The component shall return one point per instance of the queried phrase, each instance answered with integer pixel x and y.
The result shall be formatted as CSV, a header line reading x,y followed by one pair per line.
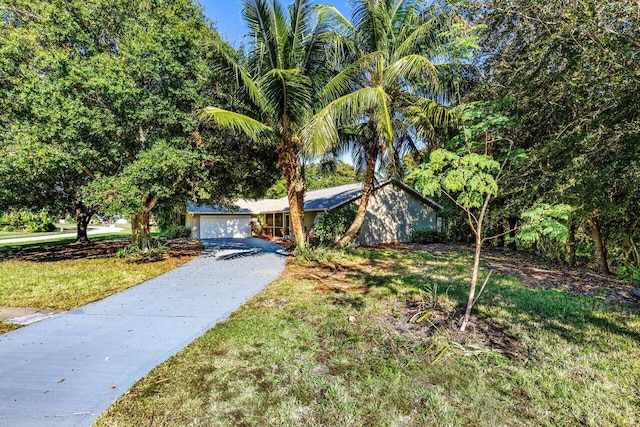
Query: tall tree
x,y
100,100
285,68
59,84
403,70
572,70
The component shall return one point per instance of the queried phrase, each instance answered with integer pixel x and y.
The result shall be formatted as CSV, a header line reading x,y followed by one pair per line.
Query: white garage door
x,y
213,227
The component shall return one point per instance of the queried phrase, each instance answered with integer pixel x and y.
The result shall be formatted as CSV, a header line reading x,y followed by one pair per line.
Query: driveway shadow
x,y
229,248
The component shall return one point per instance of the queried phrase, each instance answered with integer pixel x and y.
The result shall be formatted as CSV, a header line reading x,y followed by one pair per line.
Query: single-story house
x,y
395,210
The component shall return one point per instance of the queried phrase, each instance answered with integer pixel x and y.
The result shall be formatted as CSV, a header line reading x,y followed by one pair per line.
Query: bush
x,y
333,225
156,252
322,254
177,232
27,221
629,274
427,236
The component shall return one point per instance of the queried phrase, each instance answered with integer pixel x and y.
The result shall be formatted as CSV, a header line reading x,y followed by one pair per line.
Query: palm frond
x,y
426,116
261,17
290,91
243,79
418,39
321,134
347,79
409,68
328,13
252,128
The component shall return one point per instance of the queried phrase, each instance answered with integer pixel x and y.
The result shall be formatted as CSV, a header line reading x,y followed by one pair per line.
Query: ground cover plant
x,y
68,276
370,337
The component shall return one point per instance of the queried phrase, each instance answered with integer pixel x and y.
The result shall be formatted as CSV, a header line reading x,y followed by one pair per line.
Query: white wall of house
x,y
225,226
193,222
392,216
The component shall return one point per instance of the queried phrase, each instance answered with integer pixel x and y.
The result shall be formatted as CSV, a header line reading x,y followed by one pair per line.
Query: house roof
x,y
317,200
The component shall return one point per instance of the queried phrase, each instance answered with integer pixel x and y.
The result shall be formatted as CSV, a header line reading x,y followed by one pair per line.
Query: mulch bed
x,y
178,248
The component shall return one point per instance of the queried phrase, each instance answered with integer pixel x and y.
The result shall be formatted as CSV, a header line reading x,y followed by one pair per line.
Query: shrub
x,y
427,236
177,232
333,225
28,221
630,274
156,252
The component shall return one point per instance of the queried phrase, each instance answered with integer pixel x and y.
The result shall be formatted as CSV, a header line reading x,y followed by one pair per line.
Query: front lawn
x,y
69,276
369,339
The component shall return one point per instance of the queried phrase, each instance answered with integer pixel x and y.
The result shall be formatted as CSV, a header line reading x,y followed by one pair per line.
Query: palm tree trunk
x,y
290,164
367,188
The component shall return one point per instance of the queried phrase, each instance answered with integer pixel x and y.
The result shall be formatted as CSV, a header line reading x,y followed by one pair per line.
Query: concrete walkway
x,y
42,237
66,370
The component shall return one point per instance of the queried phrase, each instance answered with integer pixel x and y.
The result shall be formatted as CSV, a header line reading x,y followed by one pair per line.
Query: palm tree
x,y
285,68
396,90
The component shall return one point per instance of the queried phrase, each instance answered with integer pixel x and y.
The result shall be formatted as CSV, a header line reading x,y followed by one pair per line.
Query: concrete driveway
x,y
66,370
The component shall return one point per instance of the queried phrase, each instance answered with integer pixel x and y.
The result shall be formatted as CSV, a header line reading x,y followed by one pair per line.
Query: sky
x,y
226,15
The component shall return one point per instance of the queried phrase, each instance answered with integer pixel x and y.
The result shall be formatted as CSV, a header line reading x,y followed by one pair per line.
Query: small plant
x,y
629,274
321,254
427,236
177,232
155,252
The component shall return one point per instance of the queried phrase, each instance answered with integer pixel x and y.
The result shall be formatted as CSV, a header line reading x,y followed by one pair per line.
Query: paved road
x,y
66,370
36,238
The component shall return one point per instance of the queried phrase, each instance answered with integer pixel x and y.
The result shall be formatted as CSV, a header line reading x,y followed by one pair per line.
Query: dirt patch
x,y
179,248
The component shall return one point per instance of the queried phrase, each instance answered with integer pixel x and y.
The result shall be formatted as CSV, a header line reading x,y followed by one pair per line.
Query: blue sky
x,y
226,14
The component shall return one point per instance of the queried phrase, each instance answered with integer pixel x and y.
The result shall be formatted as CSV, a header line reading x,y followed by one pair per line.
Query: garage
x,y
220,226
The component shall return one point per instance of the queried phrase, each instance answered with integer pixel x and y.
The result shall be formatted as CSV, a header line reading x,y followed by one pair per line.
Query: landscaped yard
x,y
368,339
68,276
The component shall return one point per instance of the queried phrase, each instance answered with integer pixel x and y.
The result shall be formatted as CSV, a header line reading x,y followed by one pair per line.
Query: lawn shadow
x,y
557,309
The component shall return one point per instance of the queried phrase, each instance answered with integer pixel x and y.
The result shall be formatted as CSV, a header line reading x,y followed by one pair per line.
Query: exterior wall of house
x,y
193,222
392,216
309,217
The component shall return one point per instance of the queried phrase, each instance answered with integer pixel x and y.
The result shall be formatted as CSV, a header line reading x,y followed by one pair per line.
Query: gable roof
x,y
325,199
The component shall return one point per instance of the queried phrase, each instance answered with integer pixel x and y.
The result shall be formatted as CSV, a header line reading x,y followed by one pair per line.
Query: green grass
x,y
72,283
330,344
60,241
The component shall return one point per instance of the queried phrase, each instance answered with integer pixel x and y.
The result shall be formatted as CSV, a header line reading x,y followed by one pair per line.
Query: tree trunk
x,y
367,188
474,280
83,217
571,240
140,230
513,223
290,164
477,231
598,244
500,241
